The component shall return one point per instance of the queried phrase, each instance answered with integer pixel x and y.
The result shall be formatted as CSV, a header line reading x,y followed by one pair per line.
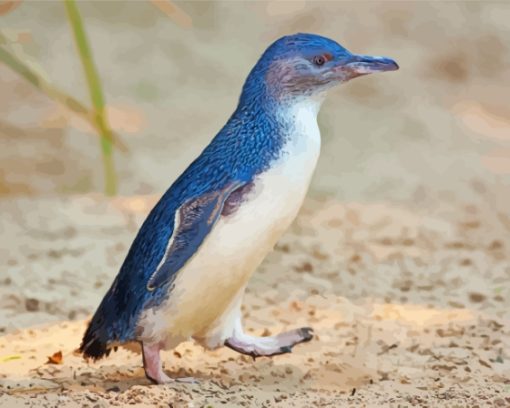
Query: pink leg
x,y
267,346
154,368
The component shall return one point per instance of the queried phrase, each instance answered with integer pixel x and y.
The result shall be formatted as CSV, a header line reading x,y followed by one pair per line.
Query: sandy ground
x,y
410,308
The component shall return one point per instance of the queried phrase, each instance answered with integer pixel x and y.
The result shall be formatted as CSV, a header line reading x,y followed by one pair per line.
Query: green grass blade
x,y
51,91
96,94
22,69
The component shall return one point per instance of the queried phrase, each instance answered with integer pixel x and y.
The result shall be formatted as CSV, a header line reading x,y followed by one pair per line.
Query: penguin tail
x,y
97,339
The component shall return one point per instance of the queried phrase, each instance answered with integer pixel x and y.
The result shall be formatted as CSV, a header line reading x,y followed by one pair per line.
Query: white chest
x,y
278,193
302,148
207,285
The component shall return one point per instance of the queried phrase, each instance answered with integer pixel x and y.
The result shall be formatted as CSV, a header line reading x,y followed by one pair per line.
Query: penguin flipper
x,y
193,222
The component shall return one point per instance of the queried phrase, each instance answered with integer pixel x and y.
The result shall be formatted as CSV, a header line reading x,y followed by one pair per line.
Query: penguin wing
x,y
193,221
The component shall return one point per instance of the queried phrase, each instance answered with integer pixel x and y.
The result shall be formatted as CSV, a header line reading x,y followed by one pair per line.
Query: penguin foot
x,y
187,380
158,378
267,346
154,368
162,378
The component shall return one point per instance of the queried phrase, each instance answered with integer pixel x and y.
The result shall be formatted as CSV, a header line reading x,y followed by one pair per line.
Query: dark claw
x,y
286,349
306,333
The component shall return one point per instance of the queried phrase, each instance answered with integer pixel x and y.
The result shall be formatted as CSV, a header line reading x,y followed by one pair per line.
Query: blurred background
x,y
439,128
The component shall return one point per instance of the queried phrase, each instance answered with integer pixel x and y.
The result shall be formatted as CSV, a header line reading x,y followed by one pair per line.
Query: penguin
x,y
187,269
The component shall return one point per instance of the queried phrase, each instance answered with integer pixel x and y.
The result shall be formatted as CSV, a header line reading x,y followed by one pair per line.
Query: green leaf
x,y
96,94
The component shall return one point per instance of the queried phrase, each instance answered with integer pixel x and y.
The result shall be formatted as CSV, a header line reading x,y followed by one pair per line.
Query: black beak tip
x,y
366,64
385,64
394,66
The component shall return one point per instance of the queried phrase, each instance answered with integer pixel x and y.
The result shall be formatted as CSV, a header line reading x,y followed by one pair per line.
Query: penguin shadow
x,y
118,373
266,375
120,378
309,366
106,379
102,380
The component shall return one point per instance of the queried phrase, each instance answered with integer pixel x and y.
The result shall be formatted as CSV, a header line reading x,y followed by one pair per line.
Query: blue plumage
x,y
228,158
293,67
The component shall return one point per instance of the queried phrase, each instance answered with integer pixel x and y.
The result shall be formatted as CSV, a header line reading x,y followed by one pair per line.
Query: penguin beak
x,y
365,64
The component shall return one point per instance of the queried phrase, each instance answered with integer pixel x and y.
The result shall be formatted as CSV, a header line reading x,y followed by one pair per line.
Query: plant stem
x,y
96,95
51,91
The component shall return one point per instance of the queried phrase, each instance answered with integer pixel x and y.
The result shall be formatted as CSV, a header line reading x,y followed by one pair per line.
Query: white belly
x,y
208,285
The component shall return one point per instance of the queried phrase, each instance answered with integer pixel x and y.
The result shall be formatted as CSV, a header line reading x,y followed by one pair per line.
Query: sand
x,y
410,308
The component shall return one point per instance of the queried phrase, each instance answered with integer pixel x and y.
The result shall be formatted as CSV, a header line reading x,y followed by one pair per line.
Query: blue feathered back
x,y
251,139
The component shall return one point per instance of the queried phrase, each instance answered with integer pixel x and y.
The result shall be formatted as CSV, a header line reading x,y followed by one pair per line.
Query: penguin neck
x,y
261,132
299,118
298,110
282,116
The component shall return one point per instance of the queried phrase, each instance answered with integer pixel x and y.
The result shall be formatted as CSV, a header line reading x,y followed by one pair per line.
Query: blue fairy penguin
x,y
186,272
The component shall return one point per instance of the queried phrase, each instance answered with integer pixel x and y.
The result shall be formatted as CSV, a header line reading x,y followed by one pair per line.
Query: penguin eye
x,y
319,60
